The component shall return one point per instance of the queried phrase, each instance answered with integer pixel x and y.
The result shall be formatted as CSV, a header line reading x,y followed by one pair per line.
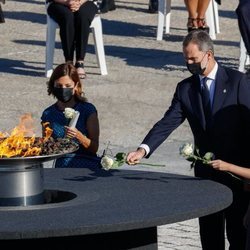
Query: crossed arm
x,y
73,5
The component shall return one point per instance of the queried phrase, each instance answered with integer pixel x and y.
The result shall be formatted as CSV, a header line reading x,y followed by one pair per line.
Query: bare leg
x,y
192,6
202,8
201,11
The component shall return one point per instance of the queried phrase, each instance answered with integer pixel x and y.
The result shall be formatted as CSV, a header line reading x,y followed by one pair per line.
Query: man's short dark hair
x,y
201,38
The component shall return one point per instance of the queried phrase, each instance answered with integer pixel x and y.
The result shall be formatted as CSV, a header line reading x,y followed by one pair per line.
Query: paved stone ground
x,y
142,75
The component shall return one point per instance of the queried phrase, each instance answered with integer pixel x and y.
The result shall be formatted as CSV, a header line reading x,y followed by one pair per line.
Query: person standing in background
x,y
196,14
243,14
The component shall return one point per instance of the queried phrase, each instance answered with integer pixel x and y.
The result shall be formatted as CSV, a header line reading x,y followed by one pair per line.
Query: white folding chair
x,y
244,57
96,27
212,18
164,12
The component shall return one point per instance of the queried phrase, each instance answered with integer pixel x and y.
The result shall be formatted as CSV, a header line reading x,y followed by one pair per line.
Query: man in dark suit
x,y
221,127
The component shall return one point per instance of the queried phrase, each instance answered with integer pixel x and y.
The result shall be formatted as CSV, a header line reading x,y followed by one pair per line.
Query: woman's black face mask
x,y
63,94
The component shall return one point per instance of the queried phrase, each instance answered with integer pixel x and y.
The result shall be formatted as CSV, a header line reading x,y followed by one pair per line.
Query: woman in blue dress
x,y
65,86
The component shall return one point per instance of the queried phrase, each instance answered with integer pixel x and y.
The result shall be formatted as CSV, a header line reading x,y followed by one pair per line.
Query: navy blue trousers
x,y
243,13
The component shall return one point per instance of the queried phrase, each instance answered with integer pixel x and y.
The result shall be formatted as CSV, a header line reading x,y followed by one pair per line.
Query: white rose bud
x,y
69,113
186,150
107,162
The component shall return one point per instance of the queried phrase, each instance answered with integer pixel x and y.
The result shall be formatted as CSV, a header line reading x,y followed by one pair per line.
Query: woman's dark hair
x,y
66,69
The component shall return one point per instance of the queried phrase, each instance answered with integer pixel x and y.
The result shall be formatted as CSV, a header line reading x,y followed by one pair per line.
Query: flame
x,y
22,141
47,131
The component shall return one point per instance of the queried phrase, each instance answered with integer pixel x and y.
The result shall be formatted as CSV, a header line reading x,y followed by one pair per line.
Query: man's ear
x,y
210,53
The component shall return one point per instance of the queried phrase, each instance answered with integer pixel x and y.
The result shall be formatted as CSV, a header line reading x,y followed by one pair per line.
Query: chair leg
x,y
243,56
167,18
161,19
50,46
99,47
210,20
216,17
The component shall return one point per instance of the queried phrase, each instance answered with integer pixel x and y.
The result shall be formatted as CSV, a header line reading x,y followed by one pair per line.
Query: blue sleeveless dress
x,y
81,158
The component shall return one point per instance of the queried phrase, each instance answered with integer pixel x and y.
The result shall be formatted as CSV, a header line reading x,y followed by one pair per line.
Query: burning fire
x,y
22,141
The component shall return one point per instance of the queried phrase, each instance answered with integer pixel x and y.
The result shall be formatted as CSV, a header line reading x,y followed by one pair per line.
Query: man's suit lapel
x,y
196,101
221,89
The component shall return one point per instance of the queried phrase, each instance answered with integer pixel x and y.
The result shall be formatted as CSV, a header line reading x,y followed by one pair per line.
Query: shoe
x,y
107,5
153,6
202,24
192,24
80,70
98,5
112,5
1,15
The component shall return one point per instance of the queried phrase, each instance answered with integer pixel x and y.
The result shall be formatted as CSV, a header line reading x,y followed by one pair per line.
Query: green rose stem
x,y
236,177
150,164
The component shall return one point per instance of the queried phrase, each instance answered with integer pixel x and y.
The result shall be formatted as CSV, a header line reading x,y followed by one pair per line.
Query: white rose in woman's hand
x,y
69,113
186,150
192,154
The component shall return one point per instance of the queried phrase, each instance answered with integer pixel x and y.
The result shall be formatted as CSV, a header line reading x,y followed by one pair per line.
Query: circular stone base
x,y
48,198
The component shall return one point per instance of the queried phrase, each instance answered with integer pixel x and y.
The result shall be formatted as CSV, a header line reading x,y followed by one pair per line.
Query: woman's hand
x,y
220,165
74,5
72,132
135,157
87,143
229,167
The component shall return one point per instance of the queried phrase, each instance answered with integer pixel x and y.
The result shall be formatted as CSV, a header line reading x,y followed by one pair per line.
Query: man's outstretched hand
x,y
135,156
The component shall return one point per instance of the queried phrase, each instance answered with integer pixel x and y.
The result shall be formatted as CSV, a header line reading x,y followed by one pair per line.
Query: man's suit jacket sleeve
x,y
173,117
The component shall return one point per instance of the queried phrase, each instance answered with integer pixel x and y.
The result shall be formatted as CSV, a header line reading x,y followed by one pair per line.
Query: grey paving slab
x,y
142,75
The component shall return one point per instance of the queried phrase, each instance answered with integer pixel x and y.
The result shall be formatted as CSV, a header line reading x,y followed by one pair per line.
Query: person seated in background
x,y
74,18
65,86
196,14
153,6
